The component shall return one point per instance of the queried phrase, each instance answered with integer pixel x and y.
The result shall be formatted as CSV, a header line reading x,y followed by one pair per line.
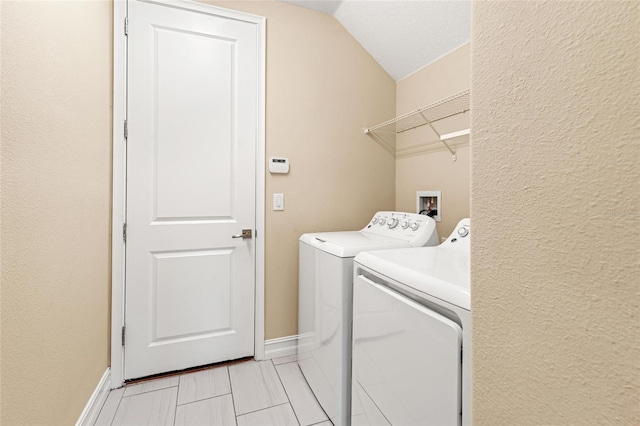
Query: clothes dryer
x,y
412,335
326,295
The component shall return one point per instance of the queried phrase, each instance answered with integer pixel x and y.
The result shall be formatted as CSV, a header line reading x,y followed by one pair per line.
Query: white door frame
x,y
119,176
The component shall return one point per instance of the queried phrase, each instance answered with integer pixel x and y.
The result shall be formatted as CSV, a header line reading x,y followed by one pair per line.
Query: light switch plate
x,y
278,201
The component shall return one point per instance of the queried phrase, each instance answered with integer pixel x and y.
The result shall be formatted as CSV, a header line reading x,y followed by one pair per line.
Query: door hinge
x,y
123,335
126,26
126,129
124,232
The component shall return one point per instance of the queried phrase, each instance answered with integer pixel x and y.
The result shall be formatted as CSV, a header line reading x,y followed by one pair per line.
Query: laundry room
x,y
542,156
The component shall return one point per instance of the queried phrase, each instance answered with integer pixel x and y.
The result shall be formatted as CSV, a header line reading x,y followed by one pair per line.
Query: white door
x,y
192,114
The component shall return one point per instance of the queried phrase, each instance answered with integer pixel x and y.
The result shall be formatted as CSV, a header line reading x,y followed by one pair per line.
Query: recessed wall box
x,y
278,165
429,203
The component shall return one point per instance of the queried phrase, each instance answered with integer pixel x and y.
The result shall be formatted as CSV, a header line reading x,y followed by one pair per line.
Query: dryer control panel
x,y
461,235
417,229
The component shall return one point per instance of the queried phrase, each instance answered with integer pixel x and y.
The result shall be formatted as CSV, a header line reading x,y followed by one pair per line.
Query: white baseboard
x,y
282,346
96,401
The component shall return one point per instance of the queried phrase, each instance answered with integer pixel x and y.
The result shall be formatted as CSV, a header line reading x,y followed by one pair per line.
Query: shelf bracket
x,y
391,150
453,153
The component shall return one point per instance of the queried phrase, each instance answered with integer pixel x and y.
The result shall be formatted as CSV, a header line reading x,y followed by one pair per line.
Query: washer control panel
x,y
411,227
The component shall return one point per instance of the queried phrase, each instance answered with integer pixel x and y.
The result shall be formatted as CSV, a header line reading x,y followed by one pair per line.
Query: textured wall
x,y
556,213
56,146
432,169
322,89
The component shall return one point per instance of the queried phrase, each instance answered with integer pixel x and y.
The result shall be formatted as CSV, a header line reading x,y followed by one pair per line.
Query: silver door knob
x,y
246,233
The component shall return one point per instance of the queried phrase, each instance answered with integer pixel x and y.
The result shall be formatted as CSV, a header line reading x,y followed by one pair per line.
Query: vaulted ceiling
x,y
402,36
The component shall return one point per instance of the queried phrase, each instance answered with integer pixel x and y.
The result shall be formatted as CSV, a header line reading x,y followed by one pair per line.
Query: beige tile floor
x,y
247,393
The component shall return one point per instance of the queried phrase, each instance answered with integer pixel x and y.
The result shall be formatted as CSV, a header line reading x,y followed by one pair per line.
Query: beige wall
x,y
56,121
322,89
556,213
425,164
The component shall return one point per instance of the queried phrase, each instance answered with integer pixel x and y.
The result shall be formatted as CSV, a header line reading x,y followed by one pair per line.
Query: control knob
x,y
393,222
463,232
382,221
414,226
404,224
374,221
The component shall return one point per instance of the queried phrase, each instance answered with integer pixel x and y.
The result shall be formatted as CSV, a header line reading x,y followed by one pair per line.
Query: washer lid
x,y
439,271
350,243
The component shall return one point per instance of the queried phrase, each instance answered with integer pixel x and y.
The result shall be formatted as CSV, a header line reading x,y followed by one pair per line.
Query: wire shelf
x,y
425,116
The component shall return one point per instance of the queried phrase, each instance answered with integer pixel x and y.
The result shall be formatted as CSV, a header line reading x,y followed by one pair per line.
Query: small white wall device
x,y
278,165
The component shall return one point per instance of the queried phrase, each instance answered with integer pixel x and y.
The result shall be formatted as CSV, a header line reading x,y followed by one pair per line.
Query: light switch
x,y
278,201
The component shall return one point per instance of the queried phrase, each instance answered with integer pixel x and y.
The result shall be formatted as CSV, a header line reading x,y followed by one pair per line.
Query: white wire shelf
x,y
425,116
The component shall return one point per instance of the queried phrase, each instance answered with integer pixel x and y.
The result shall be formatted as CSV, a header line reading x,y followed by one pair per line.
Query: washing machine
x,y
412,335
325,300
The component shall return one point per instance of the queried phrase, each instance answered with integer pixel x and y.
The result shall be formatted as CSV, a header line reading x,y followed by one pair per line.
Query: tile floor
x,y
247,393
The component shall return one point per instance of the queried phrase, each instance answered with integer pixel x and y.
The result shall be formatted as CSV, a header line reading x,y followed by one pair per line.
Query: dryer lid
x,y
438,271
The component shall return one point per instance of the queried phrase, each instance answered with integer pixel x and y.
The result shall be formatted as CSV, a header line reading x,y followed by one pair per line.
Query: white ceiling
x,y
403,36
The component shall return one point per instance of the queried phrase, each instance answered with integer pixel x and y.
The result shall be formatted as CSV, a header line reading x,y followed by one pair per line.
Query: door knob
x,y
246,233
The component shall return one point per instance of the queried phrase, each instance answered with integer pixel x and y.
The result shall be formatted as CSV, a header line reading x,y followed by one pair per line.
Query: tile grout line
x,y
285,363
175,410
204,399
286,393
314,396
149,391
102,408
233,400
103,405
117,408
267,408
